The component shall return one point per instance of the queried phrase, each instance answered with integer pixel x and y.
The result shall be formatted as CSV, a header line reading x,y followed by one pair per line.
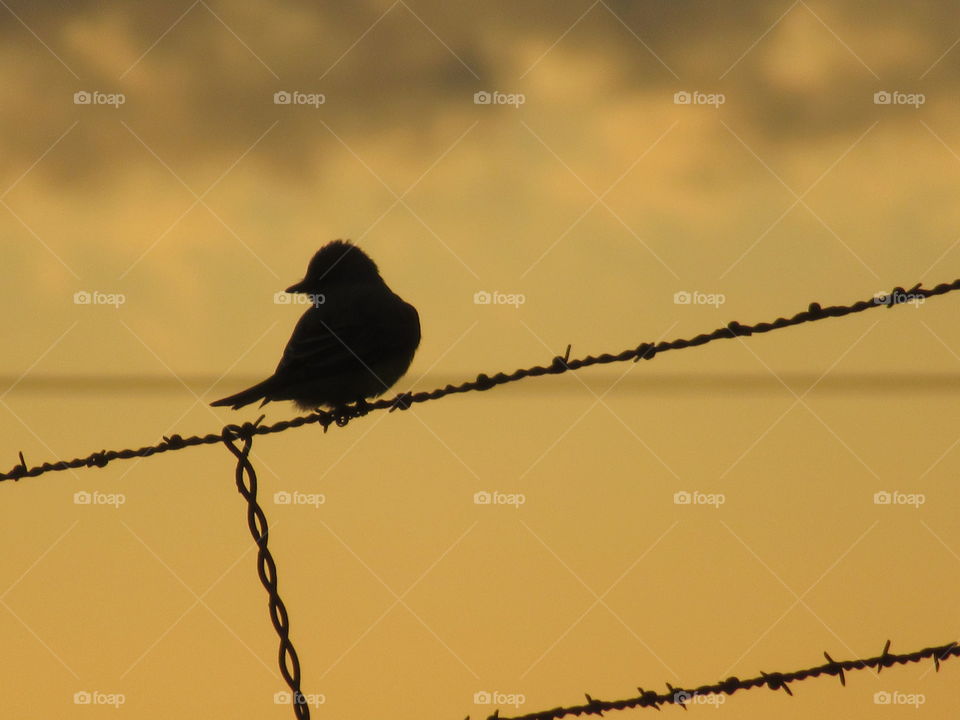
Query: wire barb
x,y
882,660
837,669
937,659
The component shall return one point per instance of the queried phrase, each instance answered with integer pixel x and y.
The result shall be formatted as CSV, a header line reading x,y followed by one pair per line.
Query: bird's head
x,y
336,263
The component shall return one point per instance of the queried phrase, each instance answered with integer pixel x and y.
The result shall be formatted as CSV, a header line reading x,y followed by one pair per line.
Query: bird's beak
x,y
297,288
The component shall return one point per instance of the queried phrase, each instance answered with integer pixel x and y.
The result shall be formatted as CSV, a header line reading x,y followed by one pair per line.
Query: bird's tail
x,y
245,397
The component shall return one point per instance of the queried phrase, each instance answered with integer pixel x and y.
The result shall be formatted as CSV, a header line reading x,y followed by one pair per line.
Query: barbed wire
x,y
559,365
774,681
246,480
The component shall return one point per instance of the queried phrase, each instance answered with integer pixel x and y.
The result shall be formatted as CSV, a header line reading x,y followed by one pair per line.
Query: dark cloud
x,y
201,95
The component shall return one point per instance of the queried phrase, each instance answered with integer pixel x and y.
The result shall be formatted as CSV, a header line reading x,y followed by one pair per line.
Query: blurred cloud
x,y
199,78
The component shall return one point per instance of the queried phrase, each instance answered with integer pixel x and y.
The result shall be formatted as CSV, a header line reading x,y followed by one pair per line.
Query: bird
x,y
354,342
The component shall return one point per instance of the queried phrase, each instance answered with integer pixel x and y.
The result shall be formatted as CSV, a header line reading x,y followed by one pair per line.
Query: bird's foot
x,y
344,413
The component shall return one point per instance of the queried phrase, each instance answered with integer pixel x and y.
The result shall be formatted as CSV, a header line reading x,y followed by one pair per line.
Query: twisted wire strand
x,y
246,478
559,365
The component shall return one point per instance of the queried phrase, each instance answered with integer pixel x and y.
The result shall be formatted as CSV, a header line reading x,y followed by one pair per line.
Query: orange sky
x,y
818,159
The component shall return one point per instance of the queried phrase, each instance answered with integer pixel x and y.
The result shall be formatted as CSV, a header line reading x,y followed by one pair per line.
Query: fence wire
x,y
559,365
267,570
246,480
774,681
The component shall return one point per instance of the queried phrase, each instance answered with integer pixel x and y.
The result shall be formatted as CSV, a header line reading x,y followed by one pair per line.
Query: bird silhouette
x,y
354,342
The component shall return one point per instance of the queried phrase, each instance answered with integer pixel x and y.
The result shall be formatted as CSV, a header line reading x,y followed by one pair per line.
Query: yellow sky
x,y
758,158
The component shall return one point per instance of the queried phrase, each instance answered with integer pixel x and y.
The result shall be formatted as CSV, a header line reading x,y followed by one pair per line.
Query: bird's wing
x,y
344,333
